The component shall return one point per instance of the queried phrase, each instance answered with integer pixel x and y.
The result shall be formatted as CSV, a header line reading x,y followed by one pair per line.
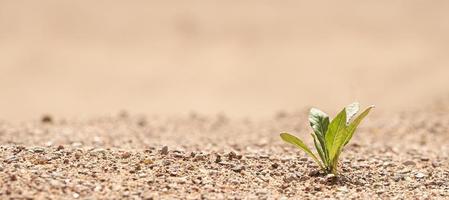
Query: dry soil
x,y
393,156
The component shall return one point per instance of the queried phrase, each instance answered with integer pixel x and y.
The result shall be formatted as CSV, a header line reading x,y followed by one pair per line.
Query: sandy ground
x,y
400,156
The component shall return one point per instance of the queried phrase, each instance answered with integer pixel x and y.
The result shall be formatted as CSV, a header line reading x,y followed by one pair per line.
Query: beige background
x,y
244,58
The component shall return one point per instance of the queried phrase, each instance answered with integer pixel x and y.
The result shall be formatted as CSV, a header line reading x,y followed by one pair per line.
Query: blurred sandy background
x,y
244,58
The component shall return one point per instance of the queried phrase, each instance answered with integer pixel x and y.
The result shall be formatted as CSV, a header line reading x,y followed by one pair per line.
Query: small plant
x,y
329,137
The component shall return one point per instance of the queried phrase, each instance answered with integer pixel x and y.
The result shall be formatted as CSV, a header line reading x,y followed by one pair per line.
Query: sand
x,y
393,156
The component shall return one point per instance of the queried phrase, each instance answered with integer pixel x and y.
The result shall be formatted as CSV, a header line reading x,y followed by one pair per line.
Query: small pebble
x,y
238,168
13,178
232,155
409,163
420,175
290,177
164,150
97,152
60,147
425,159
47,119
147,161
331,177
217,158
78,155
435,164
37,149
125,155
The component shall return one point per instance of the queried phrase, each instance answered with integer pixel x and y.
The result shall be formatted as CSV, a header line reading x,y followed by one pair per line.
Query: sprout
x,y
329,137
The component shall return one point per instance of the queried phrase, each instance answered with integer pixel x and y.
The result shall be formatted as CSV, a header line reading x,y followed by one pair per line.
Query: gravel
x,y
393,156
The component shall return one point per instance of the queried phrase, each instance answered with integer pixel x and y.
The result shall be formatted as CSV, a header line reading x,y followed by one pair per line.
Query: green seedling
x,y
329,137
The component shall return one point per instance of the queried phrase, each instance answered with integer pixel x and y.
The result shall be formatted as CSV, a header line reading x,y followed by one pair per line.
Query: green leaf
x,y
336,134
351,110
319,121
353,126
300,144
319,149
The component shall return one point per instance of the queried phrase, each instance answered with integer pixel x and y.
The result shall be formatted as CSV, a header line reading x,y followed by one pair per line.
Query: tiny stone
x,y
232,155
37,149
164,150
125,155
286,159
11,159
238,168
342,189
435,164
199,157
420,175
147,161
388,164
97,188
234,181
290,177
181,180
261,192
303,159
178,154
142,122
331,177
78,155
97,152
47,119
217,158
404,171
398,177
314,173
284,186
166,162
264,156
409,163
41,161
425,159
